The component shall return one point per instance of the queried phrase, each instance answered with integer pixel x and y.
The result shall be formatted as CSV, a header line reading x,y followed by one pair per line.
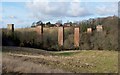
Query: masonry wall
x,y
10,27
76,36
59,30
60,36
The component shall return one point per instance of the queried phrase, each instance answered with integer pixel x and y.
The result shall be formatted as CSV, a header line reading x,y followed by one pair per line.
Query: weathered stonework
x,y
76,36
10,27
89,30
39,30
99,28
60,36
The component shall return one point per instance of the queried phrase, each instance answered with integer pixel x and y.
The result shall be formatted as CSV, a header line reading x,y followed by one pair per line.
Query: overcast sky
x,y
23,14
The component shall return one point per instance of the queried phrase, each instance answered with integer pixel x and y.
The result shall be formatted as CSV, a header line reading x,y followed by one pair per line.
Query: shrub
x,y
69,43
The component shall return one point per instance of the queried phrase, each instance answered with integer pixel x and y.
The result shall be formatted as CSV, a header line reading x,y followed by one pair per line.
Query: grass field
x,y
29,60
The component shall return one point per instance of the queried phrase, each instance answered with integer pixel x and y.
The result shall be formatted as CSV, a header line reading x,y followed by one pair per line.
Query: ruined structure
x,y
39,29
99,28
89,30
60,36
10,27
76,36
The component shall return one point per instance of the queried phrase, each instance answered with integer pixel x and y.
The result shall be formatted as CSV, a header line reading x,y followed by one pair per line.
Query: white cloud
x,y
48,9
107,9
37,16
77,10
12,17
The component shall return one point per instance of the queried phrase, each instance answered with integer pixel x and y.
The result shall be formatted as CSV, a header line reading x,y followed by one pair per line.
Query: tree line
x,y
105,40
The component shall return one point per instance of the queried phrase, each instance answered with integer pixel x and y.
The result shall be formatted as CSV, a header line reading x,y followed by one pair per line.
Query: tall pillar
x,y
89,30
39,30
60,36
99,28
76,36
10,27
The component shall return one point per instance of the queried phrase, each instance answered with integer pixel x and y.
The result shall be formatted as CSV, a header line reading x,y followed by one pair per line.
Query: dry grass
x,y
85,61
13,64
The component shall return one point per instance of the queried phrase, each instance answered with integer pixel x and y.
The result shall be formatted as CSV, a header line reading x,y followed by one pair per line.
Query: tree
x,y
48,23
83,27
39,23
33,24
59,21
70,23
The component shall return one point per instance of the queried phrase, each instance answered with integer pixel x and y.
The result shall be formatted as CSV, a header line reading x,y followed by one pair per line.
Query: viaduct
x,y
39,30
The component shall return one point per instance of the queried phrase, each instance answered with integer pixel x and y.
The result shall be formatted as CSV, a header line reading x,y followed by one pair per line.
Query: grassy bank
x,y
85,61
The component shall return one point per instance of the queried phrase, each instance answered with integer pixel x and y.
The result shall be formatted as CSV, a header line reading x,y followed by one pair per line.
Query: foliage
x,y
107,39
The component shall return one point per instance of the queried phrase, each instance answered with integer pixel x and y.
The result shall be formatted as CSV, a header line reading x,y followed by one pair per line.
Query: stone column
x,y
60,36
39,30
99,28
10,27
89,30
76,36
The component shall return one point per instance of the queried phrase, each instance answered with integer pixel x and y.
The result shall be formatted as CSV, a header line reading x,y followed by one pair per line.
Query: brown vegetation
x,y
27,60
106,39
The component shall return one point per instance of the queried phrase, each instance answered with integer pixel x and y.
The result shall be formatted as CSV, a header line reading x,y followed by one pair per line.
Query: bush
x,y
50,39
69,43
9,38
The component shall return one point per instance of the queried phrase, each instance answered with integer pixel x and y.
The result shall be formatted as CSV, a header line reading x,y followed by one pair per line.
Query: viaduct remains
x,y
39,30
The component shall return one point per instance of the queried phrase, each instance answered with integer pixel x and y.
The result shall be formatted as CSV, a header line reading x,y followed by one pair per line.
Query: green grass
x,y
65,53
84,61
91,61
